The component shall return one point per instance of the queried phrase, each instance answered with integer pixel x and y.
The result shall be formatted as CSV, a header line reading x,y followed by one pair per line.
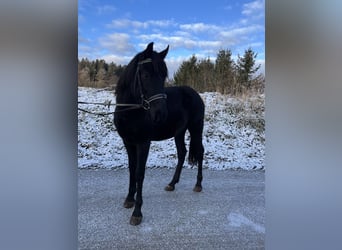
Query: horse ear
x,y
149,49
164,52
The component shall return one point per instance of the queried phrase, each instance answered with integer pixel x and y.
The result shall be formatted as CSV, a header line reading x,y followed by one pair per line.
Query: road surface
x,y
229,213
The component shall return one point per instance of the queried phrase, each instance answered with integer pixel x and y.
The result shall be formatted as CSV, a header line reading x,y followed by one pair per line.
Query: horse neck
x,y
125,95
124,92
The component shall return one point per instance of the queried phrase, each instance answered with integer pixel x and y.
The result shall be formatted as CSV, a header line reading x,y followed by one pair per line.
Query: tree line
x,y
224,75
98,73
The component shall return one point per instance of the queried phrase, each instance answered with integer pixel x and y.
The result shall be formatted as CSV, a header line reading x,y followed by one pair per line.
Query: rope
x,y
108,104
145,105
96,113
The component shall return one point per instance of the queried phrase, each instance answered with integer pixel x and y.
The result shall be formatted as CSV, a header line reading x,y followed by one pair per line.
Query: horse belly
x,y
162,133
131,132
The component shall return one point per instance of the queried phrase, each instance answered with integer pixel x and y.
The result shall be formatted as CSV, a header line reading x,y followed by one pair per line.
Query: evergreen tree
x,y
223,75
187,73
246,67
224,71
206,78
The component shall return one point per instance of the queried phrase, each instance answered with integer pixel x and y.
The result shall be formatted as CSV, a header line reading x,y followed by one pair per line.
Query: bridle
x,y
145,102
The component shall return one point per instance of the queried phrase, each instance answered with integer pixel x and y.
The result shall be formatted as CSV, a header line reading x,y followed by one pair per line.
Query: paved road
x,y
229,213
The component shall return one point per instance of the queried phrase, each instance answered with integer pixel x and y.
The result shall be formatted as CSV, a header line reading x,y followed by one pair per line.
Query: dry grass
x,y
247,109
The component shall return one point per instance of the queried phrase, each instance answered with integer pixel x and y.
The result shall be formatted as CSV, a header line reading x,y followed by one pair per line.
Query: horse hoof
x,y
169,188
129,204
197,189
135,220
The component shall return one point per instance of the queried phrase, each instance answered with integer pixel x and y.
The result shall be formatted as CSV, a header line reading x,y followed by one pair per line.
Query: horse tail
x,y
195,107
196,149
194,156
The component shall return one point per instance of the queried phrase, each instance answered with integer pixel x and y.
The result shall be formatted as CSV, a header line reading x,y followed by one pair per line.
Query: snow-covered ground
x,y
233,137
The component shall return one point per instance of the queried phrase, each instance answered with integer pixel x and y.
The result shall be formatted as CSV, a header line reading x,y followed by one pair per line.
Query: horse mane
x,y
127,76
127,79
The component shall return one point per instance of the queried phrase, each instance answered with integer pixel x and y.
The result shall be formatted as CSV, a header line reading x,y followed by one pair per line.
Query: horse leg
x,y
132,161
181,152
198,186
142,154
196,152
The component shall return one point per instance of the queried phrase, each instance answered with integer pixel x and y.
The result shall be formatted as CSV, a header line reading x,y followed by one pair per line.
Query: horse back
x,y
185,99
185,108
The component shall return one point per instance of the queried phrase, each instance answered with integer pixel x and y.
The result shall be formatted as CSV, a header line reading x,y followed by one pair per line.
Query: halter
x,y
145,102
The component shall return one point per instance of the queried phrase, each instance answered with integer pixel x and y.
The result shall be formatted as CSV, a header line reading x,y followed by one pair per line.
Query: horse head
x,y
151,72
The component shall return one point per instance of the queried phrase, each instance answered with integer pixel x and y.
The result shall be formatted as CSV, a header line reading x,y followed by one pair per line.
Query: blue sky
x,y
117,30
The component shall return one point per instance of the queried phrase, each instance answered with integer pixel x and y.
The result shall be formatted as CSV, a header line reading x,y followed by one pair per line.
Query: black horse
x,y
147,111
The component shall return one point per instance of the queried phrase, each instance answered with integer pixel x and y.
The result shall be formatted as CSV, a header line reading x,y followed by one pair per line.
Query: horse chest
x,y
132,130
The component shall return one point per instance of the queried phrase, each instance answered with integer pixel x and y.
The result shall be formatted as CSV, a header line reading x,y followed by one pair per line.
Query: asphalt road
x,y
229,213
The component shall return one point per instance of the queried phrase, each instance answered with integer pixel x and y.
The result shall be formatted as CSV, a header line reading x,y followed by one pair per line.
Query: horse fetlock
x,y
135,220
169,188
129,203
197,188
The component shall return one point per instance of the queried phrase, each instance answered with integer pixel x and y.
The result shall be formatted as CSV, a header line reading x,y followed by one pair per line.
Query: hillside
x,y
233,137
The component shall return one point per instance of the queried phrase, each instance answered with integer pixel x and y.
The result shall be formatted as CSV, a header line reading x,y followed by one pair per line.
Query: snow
x,y
238,220
233,136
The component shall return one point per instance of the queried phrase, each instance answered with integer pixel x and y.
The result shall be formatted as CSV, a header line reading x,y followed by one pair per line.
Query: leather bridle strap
x,y
145,103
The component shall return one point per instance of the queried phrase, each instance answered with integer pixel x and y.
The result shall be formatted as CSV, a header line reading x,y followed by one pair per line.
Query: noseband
x,y
145,102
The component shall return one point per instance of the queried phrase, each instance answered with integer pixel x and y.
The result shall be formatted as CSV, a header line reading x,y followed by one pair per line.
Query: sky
x,y
117,30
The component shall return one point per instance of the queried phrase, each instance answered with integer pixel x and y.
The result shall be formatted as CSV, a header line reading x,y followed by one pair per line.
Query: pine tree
x,y
187,73
206,75
246,67
224,71
83,72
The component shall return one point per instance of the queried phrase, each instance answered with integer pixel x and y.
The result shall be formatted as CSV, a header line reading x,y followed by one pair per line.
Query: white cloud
x,y
202,39
180,41
176,41
127,23
117,43
199,27
254,8
86,51
83,40
117,59
105,9
189,36
174,62
182,33
235,37
85,48
161,23
243,31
